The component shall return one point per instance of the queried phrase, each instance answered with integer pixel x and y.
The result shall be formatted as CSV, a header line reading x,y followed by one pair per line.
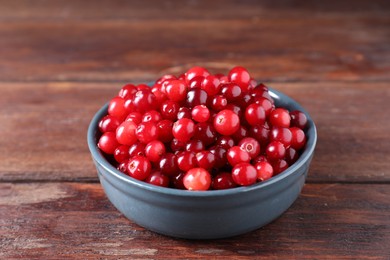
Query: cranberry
x,y
139,167
169,109
251,146
168,164
206,133
177,181
282,135
177,145
151,116
205,159
154,150
298,119
275,150
240,76
144,100
108,143
244,174
219,102
158,179
226,122
210,84
225,142
291,156
146,132
196,97
279,166
261,133
196,72
220,156
264,170
223,180
135,117
137,149
280,117
125,133
127,91
255,114
164,130
231,91
197,179
237,155
195,146
183,129
184,112
116,108
298,139
121,153
196,82
109,124
186,160
266,104
176,90
241,133
200,113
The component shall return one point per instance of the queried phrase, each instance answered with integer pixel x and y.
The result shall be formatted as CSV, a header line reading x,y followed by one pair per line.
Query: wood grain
x,y
77,221
45,127
84,41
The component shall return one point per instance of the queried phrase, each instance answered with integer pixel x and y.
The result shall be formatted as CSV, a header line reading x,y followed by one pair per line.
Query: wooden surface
x,y
62,60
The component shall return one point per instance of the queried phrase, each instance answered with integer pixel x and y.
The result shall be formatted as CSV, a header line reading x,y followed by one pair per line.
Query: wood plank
x,y
328,221
73,42
44,128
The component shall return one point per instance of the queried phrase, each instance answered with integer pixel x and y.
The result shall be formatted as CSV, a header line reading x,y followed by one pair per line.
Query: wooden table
x,y
62,60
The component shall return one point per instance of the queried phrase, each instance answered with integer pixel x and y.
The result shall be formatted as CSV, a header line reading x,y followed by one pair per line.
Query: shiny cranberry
x,y
177,145
186,160
255,114
244,174
137,149
121,153
223,180
116,108
200,113
125,133
261,133
240,76
135,117
205,132
279,166
184,112
280,117
196,82
195,146
195,72
176,90
241,133
108,124
220,156
264,170
197,179
169,110
266,104
251,146
205,159
196,97
168,164
225,142
127,91
177,181
139,167
298,139
231,91
183,129
152,116
210,84
275,150
146,132
236,109
158,179
219,102
144,100
108,143
282,135
154,150
226,122
237,155
291,156
164,130
298,119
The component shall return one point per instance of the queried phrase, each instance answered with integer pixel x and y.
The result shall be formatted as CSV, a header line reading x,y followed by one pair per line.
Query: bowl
x,y
204,214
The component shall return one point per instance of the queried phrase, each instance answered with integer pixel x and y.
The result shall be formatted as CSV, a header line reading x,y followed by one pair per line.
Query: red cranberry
x,y
151,116
158,179
108,124
200,113
169,110
186,160
251,146
210,84
244,174
298,119
240,76
176,90
226,122
121,153
196,72
237,155
275,150
168,164
144,100
298,139
127,91
137,149
282,135
223,180
116,108
231,91
196,97
264,170
146,132
197,179
205,159
139,167
280,117
108,143
225,142
183,129
164,130
255,114
206,133
154,150
125,133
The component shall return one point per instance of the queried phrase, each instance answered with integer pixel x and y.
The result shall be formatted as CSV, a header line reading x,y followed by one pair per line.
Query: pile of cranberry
x,y
201,131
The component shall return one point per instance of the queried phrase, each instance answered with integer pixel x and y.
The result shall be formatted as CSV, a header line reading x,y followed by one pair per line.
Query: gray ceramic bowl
x,y
204,214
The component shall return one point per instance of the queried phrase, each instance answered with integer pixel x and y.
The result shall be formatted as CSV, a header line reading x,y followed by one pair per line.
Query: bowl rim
x,y
276,95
